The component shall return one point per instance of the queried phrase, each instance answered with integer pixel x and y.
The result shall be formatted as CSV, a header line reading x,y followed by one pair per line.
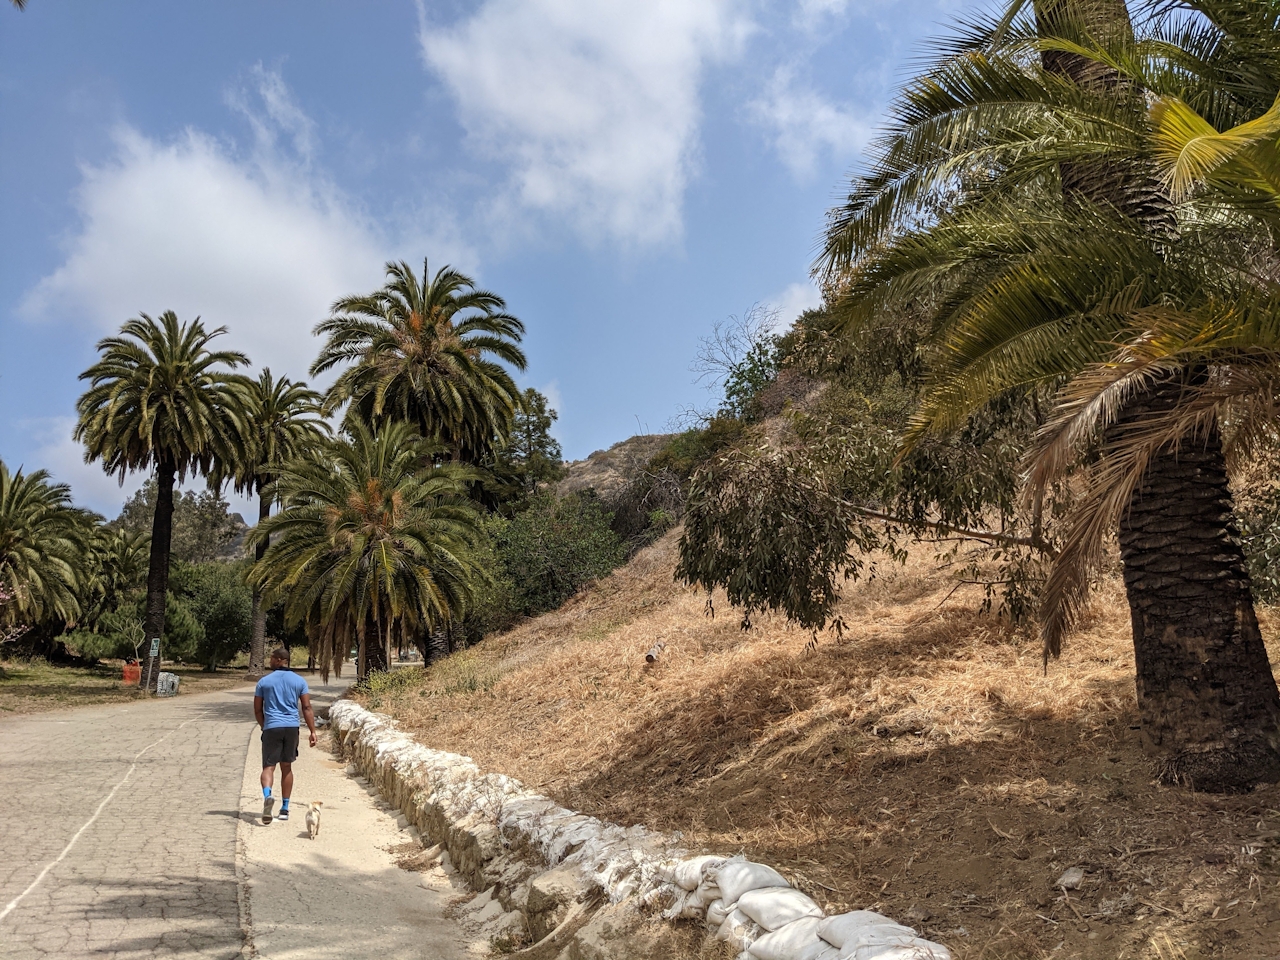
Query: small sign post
x,y
155,653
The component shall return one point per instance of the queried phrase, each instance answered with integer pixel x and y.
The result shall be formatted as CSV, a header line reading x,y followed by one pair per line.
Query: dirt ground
x,y
29,686
925,765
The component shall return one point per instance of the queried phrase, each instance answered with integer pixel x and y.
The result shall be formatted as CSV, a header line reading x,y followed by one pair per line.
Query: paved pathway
x,y
306,898
120,831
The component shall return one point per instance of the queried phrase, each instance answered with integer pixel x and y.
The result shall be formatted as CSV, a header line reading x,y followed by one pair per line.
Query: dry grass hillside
x,y
924,765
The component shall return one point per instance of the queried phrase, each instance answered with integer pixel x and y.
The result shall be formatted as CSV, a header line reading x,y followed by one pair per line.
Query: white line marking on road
x,y
88,823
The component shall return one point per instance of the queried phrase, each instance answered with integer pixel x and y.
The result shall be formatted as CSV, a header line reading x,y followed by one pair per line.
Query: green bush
x,y
548,552
214,597
119,634
686,452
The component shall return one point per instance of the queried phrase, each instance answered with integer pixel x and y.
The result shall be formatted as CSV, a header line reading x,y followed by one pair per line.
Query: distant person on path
x,y
275,704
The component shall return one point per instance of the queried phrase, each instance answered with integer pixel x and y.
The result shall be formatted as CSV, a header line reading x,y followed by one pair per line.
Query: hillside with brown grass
x,y
925,764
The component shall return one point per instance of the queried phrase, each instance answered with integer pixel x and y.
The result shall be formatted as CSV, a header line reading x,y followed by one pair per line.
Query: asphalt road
x,y
119,828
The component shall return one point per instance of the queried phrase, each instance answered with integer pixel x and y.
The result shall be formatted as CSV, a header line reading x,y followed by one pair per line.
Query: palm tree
x,y
1020,190
368,540
115,563
429,351
160,399
43,540
282,420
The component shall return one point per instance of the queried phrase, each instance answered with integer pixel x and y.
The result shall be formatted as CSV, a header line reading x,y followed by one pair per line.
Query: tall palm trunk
x,y
376,654
362,654
258,639
158,572
1207,698
1209,703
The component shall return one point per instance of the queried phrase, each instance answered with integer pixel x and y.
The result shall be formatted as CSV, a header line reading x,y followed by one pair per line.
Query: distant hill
x,y
234,549
608,471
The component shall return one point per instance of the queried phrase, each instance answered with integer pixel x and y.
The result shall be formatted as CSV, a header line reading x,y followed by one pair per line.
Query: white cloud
x,y
793,301
554,399
282,113
64,459
593,103
804,124
811,12
261,243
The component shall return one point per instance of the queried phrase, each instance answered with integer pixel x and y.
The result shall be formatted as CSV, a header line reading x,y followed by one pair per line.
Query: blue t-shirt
x,y
280,690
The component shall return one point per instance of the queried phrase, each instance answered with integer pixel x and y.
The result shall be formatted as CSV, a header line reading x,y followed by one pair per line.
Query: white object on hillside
x,y
1071,877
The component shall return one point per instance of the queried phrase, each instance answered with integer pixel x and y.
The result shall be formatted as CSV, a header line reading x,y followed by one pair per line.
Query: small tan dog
x,y
313,818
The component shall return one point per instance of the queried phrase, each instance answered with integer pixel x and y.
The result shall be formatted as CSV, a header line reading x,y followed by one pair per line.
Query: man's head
x,y
279,658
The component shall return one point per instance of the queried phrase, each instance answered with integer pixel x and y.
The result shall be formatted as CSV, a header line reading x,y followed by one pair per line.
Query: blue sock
x,y
266,793
285,804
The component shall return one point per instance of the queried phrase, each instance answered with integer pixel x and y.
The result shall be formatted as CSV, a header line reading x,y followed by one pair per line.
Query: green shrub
x,y
552,549
685,452
215,598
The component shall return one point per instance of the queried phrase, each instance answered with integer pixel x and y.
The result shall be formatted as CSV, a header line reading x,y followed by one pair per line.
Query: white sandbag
x,y
691,904
916,949
738,930
795,941
688,874
774,907
844,927
735,877
880,936
686,905
706,894
716,913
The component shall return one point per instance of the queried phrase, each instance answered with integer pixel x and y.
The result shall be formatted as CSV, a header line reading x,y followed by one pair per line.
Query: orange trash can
x,y
132,674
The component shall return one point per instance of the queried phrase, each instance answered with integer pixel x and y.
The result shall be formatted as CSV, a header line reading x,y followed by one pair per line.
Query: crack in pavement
x,y
13,904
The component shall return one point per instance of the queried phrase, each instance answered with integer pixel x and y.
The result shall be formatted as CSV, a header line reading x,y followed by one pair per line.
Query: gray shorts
x,y
279,745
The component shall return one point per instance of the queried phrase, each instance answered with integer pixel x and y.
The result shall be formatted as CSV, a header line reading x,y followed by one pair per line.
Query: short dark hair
x,y
280,653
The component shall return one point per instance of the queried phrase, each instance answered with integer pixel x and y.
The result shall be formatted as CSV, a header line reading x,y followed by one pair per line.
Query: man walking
x,y
275,704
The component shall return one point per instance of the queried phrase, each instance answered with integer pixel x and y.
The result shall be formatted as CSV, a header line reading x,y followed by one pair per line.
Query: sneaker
x,y
283,814
267,804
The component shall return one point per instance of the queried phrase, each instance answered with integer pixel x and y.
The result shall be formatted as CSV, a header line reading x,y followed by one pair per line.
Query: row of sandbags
x,y
620,861
749,905
753,908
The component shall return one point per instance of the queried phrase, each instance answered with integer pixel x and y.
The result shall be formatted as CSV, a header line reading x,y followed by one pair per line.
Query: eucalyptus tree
x,y
282,421
161,399
1028,187
43,542
368,541
430,351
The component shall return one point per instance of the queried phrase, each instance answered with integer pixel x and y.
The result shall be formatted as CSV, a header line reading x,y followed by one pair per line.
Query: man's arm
x,y
257,712
309,716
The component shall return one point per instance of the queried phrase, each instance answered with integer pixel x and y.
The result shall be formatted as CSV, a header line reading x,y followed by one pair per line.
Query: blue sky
x,y
625,174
